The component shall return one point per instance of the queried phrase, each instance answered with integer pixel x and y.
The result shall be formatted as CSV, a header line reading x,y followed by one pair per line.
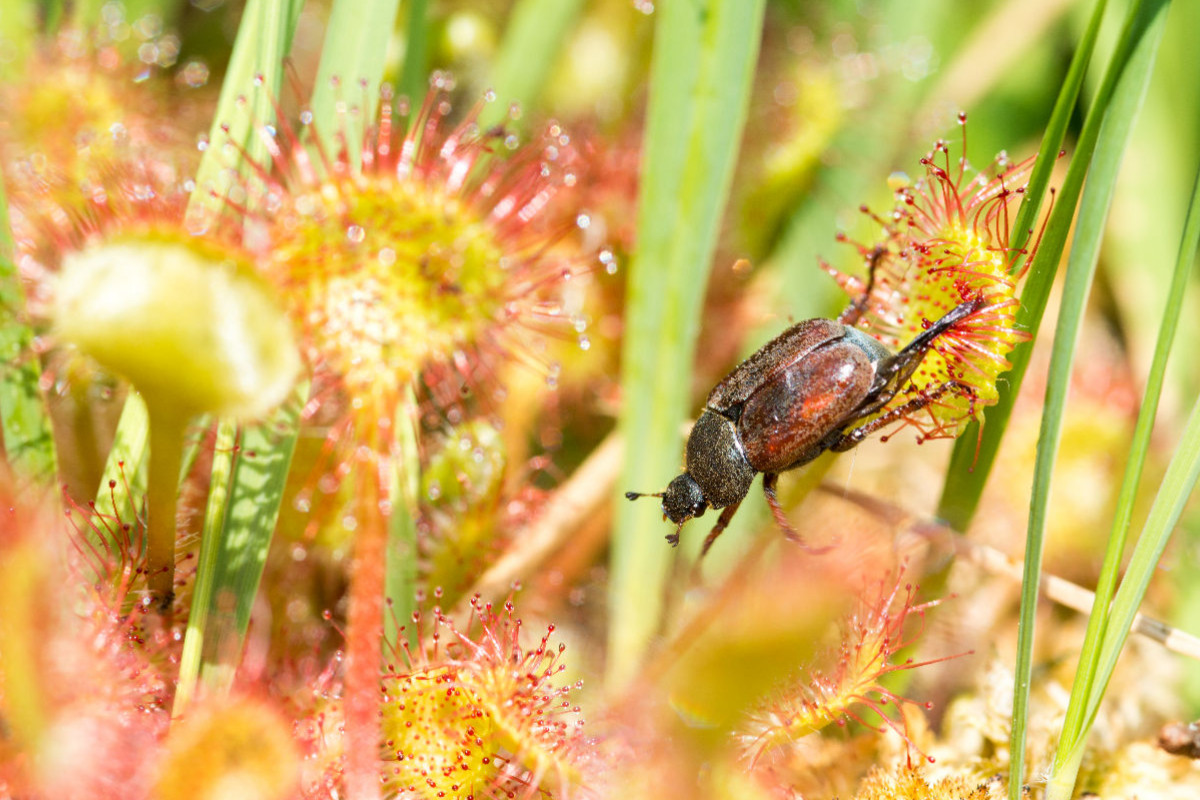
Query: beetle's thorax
x,y
876,353
717,461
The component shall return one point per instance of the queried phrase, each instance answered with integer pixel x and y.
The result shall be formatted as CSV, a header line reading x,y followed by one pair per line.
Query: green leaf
x,y
252,80
1076,724
124,475
24,420
210,546
1115,119
532,41
972,459
1177,486
353,58
414,77
239,550
704,57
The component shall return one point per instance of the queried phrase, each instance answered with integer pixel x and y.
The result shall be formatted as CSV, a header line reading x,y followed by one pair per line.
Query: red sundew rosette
x,y
479,710
946,243
851,685
424,271
419,273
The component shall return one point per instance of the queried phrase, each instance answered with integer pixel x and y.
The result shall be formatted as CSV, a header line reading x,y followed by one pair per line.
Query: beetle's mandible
x,y
800,395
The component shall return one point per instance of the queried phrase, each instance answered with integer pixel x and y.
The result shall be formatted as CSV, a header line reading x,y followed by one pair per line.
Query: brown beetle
x,y
798,396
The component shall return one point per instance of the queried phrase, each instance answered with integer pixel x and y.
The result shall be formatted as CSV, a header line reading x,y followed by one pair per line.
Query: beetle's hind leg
x,y
770,479
858,306
853,438
893,373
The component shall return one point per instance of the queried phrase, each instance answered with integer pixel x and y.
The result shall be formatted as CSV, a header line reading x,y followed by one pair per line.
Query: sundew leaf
x,y
703,62
354,52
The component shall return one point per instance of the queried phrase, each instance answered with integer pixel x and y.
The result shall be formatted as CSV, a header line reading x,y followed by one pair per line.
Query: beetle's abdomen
x,y
716,461
789,347
785,422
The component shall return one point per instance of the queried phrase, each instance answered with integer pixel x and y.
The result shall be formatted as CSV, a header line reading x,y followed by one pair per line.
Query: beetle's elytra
x,y
798,396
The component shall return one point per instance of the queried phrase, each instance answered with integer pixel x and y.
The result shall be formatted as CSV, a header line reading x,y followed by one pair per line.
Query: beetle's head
x,y
681,500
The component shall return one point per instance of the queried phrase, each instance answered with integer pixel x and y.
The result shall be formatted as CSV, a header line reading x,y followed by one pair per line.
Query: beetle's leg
x,y
893,373
846,441
858,306
722,523
769,481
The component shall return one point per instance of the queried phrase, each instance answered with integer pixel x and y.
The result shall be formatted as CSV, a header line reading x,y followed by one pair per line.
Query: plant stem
x,y
364,634
166,455
402,476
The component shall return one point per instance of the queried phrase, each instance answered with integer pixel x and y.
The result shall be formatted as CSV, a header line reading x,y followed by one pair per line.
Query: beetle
x,y
801,394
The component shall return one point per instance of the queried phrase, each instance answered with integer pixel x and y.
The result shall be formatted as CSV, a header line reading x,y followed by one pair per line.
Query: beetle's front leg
x,y
719,528
847,441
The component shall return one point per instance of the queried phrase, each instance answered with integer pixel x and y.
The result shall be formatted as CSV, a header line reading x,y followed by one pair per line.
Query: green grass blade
x,y
704,57
1173,494
210,546
263,40
352,62
1070,750
414,77
1089,232
534,36
252,83
240,551
972,459
124,475
24,420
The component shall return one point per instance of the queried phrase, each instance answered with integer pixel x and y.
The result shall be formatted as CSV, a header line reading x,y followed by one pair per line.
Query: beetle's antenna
x,y
636,495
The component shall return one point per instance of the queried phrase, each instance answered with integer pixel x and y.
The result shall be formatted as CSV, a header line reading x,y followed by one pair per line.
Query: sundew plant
x,y
335,335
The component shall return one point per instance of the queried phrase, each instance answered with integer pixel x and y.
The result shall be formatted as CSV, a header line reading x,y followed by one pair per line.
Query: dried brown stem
x,y
1057,589
580,497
